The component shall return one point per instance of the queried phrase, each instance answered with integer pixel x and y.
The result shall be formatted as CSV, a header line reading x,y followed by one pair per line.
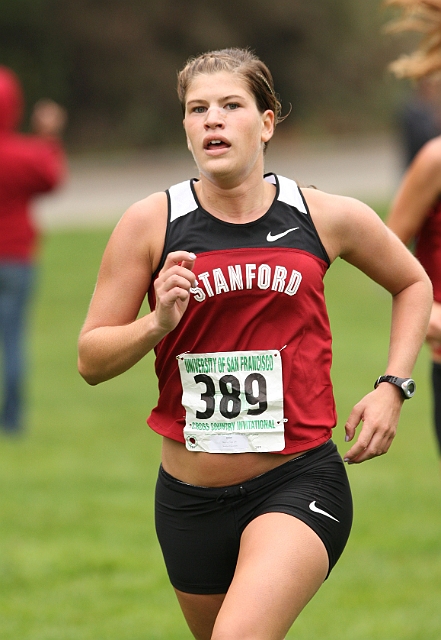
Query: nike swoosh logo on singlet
x,y
271,238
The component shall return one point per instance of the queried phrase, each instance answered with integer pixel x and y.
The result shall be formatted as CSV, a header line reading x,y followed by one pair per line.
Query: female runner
x,y
253,506
415,214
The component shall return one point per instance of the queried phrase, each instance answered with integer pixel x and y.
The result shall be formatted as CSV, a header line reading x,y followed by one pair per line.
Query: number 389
x,y
230,404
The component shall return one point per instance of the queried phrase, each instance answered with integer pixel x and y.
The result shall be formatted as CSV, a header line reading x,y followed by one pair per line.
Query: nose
x,y
214,118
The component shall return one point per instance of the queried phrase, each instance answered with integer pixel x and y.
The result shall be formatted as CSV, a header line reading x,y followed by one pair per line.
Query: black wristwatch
x,y
407,386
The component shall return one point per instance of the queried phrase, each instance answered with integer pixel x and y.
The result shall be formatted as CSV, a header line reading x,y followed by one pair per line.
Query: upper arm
x,y
374,249
353,231
129,260
418,192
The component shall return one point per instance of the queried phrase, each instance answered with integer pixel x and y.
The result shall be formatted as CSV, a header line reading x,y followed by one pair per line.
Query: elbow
x,y
426,289
88,368
87,374
426,286
88,362
429,286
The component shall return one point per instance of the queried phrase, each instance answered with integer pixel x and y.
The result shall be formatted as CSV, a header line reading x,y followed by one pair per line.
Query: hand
x,y
379,411
172,289
48,118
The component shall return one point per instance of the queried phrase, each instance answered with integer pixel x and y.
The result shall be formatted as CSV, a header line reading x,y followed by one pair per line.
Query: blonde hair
x,y
422,16
242,62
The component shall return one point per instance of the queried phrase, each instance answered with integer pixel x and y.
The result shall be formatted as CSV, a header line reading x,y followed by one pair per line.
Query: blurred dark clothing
x,y
419,124
29,165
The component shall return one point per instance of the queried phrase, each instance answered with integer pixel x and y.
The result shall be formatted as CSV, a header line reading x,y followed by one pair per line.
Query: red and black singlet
x,y
260,287
428,248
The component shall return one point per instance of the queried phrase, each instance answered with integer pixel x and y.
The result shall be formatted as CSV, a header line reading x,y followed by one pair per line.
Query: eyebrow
x,y
232,97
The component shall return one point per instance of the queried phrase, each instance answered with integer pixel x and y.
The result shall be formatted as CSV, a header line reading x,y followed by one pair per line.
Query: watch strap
x,y
407,386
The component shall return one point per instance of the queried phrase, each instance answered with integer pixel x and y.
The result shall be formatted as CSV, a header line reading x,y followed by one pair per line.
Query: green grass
x,y
79,558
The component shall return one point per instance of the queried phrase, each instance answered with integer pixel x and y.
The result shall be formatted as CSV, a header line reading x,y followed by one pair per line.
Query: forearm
x,y
106,352
410,317
379,410
110,342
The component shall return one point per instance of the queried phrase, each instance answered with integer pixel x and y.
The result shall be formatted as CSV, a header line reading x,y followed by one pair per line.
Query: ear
x,y
267,125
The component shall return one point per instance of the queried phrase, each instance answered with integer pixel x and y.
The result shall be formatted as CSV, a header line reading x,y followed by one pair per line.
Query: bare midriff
x,y
217,469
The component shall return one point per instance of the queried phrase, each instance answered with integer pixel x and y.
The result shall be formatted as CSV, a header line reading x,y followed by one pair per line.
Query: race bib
x,y
233,401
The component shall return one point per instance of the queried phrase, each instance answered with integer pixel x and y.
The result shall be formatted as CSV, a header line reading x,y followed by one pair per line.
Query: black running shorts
x,y
199,528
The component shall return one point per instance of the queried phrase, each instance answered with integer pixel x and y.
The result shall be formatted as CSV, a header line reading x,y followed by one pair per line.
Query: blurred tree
x,y
113,63
30,45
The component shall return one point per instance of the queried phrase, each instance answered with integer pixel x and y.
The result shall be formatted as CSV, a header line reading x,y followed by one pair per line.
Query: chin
x,y
216,169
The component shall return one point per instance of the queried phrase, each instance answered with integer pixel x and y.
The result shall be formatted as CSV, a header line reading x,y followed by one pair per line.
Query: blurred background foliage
x,y
113,63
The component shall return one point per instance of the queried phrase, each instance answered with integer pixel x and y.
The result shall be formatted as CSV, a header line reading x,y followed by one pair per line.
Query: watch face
x,y
409,388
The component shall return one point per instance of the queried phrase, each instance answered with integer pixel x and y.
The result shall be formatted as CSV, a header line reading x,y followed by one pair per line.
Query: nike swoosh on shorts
x,y
271,238
314,508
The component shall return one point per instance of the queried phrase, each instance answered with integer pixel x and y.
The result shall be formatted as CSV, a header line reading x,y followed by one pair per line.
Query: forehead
x,y
218,84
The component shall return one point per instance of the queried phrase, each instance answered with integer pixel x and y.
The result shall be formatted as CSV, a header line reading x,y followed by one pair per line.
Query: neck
x,y
237,203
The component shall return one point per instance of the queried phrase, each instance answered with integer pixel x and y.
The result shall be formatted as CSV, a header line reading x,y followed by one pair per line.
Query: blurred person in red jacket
x,y
29,165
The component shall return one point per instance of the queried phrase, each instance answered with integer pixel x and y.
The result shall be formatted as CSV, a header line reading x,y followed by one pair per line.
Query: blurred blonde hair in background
x,y
423,16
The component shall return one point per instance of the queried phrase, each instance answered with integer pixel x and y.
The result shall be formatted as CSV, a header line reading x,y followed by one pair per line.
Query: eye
x,y
199,109
232,106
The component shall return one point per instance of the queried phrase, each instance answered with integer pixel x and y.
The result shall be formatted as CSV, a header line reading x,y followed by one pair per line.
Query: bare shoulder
x,y
353,231
141,229
143,216
340,219
131,256
323,200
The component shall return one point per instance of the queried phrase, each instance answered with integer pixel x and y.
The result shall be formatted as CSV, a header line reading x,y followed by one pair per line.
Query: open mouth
x,y
213,145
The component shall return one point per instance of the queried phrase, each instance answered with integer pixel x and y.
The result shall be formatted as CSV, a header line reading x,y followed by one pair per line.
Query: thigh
x,y
200,612
198,535
319,495
281,565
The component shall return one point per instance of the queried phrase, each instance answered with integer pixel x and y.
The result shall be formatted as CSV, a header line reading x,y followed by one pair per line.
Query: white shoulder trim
x,y
182,200
289,192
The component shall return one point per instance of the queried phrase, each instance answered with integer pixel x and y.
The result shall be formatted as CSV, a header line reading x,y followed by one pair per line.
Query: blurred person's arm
x,y
417,195
418,192
47,165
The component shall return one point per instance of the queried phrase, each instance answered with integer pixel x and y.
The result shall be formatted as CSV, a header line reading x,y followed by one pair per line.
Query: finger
x,y
189,264
350,432
368,454
170,297
355,454
355,417
179,257
359,447
173,283
371,443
